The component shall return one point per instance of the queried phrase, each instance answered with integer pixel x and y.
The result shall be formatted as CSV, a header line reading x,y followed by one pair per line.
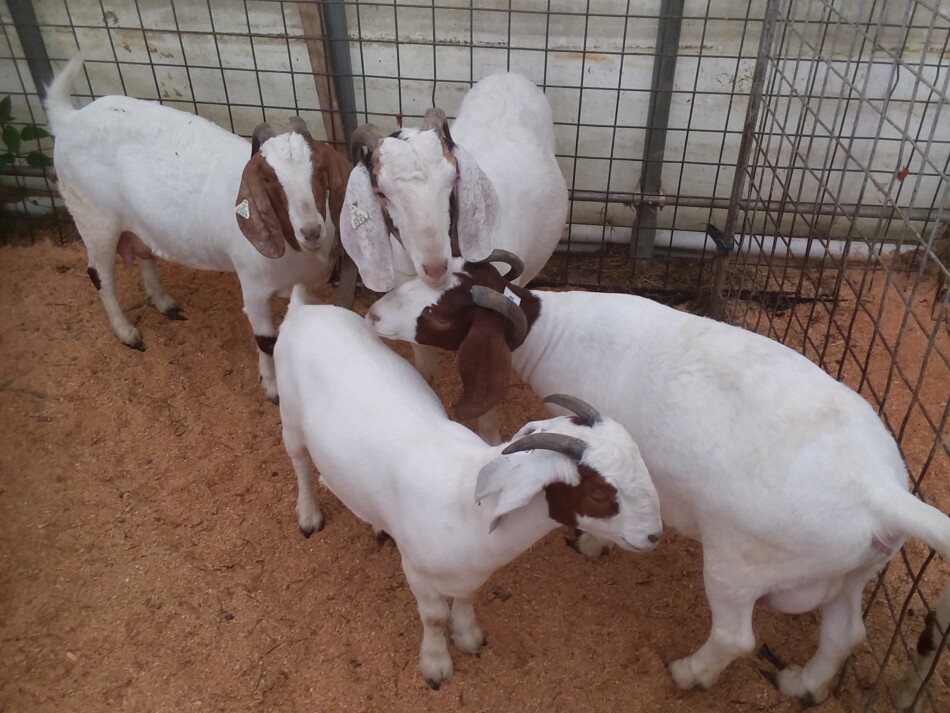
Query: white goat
x,y
493,182
384,446
795,488
146,181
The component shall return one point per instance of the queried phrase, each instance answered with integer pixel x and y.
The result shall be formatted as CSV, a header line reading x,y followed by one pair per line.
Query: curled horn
x,y
572,447
588,415
299,126
367,136
262,132
510,259
497,302
435,119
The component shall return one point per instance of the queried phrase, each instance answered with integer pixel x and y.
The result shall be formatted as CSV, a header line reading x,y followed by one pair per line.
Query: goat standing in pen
x,y
788,478
458,509
145,181
420,196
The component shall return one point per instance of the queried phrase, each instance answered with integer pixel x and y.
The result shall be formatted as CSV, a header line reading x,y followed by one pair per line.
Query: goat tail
x,y
57,101
908,515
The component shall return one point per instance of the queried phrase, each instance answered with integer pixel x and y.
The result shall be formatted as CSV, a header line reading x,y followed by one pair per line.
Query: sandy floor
x,y
150,558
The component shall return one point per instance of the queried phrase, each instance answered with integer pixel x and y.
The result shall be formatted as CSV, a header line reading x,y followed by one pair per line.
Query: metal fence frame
x,y
778,122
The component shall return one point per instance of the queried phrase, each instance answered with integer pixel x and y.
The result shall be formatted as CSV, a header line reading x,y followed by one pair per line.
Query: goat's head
x,y
478,313
590,470
291,191
425,190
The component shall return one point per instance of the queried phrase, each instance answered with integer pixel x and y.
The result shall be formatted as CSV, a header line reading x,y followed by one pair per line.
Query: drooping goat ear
x,y
484,363
260,213
337,170
518,478
364,234
478,207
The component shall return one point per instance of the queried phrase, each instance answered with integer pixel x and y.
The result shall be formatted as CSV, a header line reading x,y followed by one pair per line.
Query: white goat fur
x,y
504,137
385,447
171,178
795,488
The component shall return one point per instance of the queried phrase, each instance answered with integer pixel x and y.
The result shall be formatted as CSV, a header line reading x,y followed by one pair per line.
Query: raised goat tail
x,y
57,101
910,516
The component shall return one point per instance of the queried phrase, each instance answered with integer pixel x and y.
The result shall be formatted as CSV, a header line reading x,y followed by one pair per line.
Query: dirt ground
x,y
150,558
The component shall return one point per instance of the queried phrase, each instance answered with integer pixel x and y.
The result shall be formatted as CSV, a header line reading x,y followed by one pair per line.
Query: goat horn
x,y
588,415
262,132
569,446
487,297
299,126
435,119
367,136
510,259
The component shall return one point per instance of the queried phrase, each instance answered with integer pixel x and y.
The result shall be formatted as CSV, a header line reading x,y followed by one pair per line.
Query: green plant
x,y
14,138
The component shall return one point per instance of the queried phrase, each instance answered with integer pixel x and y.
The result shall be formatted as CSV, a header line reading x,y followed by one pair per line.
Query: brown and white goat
x,y
145,181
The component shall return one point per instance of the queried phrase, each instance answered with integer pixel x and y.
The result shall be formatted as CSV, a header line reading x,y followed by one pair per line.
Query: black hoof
x,y
175,313
275,400
382,537
808,701
434,685
138,346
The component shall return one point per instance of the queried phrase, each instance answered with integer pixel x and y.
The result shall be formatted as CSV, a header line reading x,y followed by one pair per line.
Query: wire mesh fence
x,y
798,152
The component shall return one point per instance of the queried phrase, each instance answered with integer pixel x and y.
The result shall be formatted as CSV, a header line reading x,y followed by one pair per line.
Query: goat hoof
x,y
310,528
434,685
275,399
175,313
137,345
382,537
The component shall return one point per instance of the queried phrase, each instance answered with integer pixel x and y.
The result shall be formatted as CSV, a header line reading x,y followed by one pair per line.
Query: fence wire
x,y
842,240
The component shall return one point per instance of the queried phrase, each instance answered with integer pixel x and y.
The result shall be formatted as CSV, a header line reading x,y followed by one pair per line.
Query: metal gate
x,y
781,164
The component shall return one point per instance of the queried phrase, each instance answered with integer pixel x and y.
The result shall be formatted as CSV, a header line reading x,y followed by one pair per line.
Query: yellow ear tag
x,y
243,210
357,217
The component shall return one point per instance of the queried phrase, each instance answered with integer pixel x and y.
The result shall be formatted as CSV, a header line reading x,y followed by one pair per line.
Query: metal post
x,y
643,235
334,20
28,30
721,260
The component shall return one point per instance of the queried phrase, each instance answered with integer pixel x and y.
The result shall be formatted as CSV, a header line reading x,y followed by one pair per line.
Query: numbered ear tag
x,y
243,210
357,217
512,296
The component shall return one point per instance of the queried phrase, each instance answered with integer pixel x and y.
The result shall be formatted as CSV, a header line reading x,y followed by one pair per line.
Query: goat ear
x,y
484,361
337,171
478,207
257,216
518,478
364,234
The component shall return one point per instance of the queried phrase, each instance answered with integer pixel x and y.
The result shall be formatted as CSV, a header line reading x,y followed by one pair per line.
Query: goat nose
x,y
311,234
655,537
437,270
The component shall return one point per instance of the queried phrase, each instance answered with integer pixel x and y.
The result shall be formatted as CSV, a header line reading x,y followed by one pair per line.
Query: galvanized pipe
x,y
334,19
341,66
721,260
643,234
34,50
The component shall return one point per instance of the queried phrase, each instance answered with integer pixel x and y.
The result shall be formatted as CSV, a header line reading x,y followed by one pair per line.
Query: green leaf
x,y
6,106
32,132
38,159
6,159
11,137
